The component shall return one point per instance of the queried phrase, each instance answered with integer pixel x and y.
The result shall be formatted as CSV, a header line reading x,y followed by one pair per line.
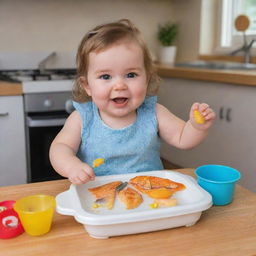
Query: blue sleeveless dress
x,y
135,148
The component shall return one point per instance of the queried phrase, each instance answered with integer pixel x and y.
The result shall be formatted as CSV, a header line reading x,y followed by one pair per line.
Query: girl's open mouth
x,y
120,100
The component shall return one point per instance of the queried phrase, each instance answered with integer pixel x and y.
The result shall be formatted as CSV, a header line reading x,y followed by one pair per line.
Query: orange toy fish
x,y
156,187
105,194
130,198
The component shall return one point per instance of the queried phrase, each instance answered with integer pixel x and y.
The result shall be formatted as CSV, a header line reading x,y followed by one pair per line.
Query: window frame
x,y
229,39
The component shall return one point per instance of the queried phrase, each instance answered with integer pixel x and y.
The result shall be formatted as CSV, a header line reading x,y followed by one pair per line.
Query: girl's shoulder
x,y
85,109
149,105
82,106
87,113
73,121
150,101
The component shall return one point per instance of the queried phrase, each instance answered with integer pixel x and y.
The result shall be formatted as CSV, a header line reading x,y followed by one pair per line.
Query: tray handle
x,y
64,205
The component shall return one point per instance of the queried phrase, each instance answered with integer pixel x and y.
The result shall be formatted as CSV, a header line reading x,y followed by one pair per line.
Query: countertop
x,y
221,230
10,89
240,77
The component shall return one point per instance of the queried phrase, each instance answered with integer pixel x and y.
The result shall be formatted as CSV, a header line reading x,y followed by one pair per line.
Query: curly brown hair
x,y
102,37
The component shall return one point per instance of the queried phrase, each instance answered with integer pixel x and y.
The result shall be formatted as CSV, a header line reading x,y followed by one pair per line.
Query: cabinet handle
x,y
221,113
228,117
4,114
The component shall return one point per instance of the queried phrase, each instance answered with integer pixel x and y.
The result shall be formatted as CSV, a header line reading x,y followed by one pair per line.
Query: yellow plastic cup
x,y
36,213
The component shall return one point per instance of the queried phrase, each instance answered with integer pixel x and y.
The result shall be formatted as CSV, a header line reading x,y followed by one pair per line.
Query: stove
x,y
47,103
36,81
37,75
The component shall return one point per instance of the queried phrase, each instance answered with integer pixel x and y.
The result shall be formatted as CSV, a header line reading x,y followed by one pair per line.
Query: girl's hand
x,y
207,114
80,173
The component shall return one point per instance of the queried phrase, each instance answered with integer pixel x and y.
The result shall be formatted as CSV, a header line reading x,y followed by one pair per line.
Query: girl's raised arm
x,y
181,134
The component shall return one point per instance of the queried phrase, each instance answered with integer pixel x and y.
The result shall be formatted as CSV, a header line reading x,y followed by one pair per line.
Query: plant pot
x,y
167,54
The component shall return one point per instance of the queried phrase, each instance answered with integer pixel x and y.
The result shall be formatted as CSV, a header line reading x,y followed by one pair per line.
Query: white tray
x,y
103,223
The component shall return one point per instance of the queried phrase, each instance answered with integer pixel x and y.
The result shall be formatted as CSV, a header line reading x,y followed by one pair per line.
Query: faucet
x,y
42,64
246,48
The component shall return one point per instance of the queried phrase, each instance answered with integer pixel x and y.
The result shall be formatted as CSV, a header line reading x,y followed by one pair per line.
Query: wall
x,y
59,25
188,16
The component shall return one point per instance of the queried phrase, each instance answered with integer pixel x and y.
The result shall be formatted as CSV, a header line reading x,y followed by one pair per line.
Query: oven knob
x,y
69,106
48,103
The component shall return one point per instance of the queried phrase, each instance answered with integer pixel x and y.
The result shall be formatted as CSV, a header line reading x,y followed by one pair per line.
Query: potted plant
x,y
167,34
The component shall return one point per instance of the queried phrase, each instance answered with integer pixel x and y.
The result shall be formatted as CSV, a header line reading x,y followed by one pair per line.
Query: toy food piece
x,y
105,195
97,162
166,202
198,117
163,203
154,205
159,193
130,198
156,187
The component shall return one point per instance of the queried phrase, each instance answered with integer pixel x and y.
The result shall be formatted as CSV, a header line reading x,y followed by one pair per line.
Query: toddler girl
x,y
117,116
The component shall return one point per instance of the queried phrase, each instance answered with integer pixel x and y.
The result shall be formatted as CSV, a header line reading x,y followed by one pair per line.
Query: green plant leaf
x,y
167,33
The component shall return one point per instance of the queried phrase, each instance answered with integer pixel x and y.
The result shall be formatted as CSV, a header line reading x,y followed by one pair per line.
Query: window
x,y
231,39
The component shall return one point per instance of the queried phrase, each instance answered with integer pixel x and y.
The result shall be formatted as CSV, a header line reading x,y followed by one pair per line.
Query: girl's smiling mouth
x,y
120,101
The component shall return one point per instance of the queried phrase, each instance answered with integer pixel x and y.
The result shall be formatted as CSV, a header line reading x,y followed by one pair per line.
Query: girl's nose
x,y
120,84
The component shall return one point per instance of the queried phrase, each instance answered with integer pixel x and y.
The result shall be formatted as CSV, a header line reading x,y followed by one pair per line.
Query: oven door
x,y
41,130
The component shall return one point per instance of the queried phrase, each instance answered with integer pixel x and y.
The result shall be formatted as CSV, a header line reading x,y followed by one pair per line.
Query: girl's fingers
x,y
195,106
80,177
89,171
203,107
209,114
206,112
200,106
75,180
84,177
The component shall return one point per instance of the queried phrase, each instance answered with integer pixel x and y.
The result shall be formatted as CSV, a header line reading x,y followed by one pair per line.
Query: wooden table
x,y
221,230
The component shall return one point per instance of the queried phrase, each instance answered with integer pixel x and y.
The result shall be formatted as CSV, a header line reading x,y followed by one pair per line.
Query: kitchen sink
x,y
217,65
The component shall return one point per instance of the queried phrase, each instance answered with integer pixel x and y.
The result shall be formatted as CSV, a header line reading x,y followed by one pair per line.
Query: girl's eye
x,y
131,75
105,77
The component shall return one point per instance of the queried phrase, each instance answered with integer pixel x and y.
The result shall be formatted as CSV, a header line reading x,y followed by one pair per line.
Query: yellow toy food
x,y
160,193
97,162
166,202
198,117
154,205
163,203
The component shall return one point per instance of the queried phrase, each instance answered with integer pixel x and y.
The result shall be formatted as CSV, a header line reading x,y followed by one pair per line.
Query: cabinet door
x,y
12,141
231,139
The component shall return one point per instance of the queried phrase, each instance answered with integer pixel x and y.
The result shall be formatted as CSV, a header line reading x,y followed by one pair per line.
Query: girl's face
x,y
117,81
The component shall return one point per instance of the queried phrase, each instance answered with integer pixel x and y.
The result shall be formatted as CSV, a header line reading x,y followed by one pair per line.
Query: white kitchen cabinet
x,y
231,141
12,141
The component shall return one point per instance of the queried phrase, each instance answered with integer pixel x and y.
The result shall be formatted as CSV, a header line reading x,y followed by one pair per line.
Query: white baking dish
x,y
103,223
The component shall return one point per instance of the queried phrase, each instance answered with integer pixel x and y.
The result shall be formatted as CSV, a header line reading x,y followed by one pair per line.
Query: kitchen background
x,y
32,30
32,27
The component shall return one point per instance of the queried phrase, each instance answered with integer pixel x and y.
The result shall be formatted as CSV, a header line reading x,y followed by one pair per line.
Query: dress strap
x,y
86,113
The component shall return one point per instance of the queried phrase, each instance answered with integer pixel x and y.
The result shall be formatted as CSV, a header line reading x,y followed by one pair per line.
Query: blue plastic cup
x,y
219,181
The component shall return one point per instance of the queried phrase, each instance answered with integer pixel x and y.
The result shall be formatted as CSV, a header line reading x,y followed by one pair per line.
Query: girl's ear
x,y
84,84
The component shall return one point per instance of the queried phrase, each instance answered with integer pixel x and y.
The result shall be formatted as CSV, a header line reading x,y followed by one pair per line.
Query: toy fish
x,y
156,187
130,198
105,195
